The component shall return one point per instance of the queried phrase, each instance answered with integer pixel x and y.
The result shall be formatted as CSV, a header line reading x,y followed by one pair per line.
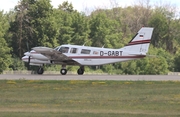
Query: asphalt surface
x,y
90,77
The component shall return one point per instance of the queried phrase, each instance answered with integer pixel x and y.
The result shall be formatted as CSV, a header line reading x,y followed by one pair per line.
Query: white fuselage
x,y
91,56
85,55
100,56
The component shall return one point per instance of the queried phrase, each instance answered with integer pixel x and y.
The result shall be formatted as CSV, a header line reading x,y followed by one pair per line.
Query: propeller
x,y
29,55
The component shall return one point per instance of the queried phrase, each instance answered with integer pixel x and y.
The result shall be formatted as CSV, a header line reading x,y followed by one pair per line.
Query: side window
x,y
64,49
85,51
73,50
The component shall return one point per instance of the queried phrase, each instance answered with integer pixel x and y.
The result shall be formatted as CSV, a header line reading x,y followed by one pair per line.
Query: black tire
x,y
63,71
80,71
40,71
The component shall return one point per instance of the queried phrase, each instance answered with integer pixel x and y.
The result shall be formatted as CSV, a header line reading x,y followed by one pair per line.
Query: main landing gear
x,y
40,70
80,71
63,71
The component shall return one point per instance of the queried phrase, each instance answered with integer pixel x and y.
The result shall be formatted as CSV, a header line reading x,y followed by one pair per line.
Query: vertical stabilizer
x,y
140,42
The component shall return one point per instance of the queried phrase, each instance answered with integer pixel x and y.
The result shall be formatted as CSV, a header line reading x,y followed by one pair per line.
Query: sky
x,y
89,5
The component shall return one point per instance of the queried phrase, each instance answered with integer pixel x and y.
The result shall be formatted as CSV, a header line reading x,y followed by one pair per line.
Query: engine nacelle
x,y
38,56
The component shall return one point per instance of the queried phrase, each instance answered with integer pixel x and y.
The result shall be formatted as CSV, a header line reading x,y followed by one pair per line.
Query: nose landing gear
x,y
63,71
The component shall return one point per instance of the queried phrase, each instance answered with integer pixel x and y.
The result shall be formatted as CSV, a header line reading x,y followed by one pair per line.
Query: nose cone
x,y
27,53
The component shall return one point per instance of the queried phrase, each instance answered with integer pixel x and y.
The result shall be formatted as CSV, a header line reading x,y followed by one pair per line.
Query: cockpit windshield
x,y
57,48
64,49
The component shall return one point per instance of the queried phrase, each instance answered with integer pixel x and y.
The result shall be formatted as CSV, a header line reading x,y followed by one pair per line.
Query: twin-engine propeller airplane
x,y
89,56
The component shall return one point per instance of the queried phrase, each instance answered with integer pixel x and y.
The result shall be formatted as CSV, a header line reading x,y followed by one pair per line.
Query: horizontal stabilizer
x,y
136,53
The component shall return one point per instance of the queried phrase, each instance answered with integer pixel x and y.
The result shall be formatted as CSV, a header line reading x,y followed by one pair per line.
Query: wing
x,y
55,56
51,53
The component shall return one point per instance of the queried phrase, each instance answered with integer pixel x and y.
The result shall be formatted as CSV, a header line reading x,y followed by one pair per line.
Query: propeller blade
x,y
29,60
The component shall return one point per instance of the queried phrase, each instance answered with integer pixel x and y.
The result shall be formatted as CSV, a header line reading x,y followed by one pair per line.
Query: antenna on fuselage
x,y
103,46
85,42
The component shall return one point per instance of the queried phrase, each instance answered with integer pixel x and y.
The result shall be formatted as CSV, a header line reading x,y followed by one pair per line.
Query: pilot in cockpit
x,y
64,49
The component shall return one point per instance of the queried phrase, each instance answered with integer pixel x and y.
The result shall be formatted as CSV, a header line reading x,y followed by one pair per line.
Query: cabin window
x,y
73,50
85,51
64,49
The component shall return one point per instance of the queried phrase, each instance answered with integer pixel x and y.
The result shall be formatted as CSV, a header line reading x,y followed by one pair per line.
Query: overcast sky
x,y
81,5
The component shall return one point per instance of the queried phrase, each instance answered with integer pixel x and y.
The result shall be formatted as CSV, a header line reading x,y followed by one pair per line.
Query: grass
x,y
29,98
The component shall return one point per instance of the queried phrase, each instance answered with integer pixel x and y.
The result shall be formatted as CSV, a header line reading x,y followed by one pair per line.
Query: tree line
x,y
36,23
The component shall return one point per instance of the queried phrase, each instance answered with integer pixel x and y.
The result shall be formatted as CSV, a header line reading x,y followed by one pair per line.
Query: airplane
x,y
89,56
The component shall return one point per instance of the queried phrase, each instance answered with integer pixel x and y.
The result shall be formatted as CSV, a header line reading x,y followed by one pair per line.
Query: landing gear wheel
x,y
63,71
80,71
40,70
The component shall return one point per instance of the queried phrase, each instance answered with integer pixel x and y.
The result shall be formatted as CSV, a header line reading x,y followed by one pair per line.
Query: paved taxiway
x,y
90,77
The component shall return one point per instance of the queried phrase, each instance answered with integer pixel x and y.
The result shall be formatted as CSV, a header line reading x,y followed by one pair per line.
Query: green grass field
x,y
29,98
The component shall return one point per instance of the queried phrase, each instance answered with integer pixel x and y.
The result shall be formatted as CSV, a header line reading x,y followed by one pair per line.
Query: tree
x,y
177,63
34,25
156,66
66,6
162,21
5,56
43,23
80,25
65,29
103,31
20,29
129,67
157,63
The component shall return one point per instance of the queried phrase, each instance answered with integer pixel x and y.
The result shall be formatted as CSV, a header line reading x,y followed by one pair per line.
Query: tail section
x,y
140,42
